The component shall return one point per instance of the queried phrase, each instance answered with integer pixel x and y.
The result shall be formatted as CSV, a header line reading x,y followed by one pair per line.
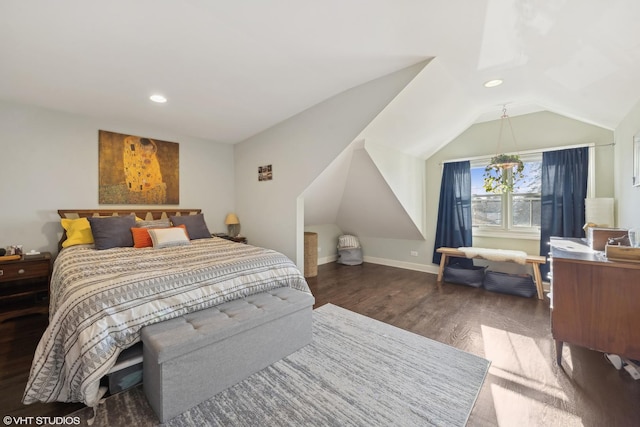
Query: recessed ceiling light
x,y
493,83
158,98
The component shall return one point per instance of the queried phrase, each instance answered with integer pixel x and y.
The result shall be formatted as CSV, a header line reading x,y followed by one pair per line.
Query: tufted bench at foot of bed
x,y
189,359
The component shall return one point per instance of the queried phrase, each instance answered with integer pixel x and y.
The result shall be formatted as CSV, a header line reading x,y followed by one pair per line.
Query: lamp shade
x,y
231,219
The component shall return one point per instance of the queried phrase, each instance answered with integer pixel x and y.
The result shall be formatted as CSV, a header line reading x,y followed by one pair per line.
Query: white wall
x,y
323,196
369,207
405,175
299,149
49,161
627,196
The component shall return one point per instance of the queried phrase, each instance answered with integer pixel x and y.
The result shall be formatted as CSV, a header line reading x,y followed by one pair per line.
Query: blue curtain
x,y
454,212
564,188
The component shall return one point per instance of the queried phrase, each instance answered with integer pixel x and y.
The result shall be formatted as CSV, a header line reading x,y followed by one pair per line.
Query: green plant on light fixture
x,y
496,174
504,170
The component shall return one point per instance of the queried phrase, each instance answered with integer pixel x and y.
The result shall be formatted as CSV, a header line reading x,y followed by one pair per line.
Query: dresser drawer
x,y
24,270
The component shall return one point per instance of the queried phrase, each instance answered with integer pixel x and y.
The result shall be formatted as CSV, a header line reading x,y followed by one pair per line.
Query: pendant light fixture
x,y
503,169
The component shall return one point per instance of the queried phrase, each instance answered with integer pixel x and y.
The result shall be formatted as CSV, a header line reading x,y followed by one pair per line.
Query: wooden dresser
x,y
595,303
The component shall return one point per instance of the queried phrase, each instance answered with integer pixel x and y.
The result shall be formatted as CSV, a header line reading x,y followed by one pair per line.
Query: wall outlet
x,y
414,253
319,249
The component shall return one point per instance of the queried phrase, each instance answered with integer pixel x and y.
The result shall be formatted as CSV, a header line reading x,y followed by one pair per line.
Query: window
x,y
517,211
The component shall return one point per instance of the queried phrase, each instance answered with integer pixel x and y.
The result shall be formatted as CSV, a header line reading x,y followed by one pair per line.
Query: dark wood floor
x,y
18,340
524,386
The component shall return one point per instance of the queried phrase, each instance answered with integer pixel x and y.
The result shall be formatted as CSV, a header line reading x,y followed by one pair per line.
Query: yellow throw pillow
x,y
78,232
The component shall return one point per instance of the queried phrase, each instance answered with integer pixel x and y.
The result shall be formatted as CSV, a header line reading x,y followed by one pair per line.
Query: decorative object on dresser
x,y
595,302
622,253
233,224
634,237
24,285
597,237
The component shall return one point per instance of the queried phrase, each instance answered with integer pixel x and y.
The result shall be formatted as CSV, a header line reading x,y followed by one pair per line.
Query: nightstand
x,y
24,286
238,239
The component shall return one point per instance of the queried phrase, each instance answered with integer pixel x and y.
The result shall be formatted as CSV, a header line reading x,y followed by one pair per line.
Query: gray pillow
x,y
112,231
196,227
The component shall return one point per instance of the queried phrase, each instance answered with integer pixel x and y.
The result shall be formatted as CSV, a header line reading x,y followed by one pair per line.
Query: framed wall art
x,y
265,173
135,170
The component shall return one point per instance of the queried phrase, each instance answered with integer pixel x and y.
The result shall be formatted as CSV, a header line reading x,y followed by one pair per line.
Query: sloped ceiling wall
x,y
300,149
323,197
411,125
405,176
353,194
375,187
369,207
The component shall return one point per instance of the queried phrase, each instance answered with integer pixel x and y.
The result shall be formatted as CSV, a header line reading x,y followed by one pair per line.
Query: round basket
x,y
310,254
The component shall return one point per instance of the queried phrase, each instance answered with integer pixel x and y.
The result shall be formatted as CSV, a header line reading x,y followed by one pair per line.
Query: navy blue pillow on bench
x,y
470,276
513,284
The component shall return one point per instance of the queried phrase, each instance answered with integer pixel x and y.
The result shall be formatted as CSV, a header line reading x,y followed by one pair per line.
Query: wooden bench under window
x,y
534,260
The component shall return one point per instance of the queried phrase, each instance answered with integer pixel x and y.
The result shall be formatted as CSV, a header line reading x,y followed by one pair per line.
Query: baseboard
x,y
327,259
402,264
388,262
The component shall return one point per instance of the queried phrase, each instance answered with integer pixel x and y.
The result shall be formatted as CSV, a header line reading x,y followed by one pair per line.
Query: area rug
x,y
357,372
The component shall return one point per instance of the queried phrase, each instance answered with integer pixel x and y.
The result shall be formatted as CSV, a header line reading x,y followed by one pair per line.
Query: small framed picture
x,y
636,160
265,173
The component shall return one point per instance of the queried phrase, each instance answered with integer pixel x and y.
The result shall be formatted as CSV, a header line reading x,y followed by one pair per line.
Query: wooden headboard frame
x,y
146,214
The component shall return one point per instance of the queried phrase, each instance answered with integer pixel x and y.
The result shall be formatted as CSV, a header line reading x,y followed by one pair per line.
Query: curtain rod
x,y
538,151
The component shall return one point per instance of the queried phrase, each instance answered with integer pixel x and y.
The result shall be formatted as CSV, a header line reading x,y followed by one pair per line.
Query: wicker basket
x,y
310,254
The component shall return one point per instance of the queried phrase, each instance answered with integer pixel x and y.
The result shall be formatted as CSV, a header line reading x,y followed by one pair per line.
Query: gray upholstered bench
x,y
189,359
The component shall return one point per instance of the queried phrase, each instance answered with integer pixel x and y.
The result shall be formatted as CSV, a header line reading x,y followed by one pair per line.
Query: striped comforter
x,y
101,299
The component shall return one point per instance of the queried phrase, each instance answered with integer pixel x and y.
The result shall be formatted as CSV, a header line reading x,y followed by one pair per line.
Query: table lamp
x,y
233,224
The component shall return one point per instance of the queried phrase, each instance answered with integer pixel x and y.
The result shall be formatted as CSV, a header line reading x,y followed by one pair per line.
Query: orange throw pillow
x,y
141,238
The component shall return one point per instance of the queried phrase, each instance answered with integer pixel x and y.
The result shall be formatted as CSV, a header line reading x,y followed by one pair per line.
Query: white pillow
x,y
167,237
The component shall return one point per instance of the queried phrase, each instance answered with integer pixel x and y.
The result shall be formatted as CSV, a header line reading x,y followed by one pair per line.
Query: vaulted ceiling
x,y
231,69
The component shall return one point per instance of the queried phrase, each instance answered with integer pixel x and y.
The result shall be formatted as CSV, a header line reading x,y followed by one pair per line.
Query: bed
x,y
101,299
